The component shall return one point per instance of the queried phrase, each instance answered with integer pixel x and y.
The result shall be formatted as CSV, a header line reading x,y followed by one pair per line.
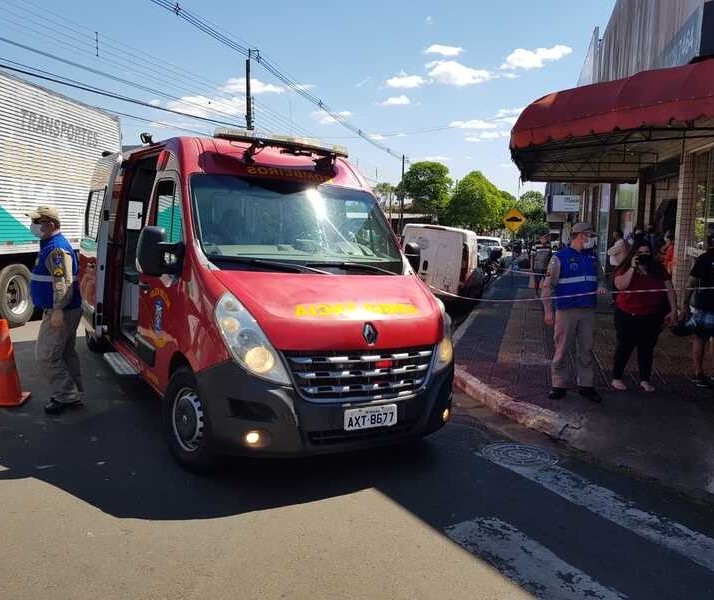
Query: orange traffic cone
x,y
11,393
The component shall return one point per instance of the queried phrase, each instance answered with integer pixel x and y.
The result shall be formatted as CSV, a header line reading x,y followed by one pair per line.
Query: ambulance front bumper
x,y
236,404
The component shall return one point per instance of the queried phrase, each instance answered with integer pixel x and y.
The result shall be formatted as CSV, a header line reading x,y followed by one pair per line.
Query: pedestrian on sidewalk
x,y
540,258
666,253
701,276
619,249
640,316
54,287
616,255
574,277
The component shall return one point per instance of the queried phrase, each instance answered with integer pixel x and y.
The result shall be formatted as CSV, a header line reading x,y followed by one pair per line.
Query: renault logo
x,y
369,333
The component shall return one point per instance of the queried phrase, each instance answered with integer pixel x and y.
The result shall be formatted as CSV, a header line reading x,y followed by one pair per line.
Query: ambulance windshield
x,y
288,221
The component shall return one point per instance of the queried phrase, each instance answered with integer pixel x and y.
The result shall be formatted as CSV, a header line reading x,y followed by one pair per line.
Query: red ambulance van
x,y
256,285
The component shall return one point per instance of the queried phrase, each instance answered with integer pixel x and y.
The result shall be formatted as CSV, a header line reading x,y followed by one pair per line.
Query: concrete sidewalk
x,y
503,354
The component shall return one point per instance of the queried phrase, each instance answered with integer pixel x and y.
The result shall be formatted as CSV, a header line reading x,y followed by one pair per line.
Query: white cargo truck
x,y
49,146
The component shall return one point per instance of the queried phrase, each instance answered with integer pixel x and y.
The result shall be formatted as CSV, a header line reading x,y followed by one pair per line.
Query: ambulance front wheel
x,y
185,423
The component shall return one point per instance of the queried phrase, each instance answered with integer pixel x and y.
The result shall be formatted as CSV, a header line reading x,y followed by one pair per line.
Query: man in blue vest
x,y
54,287
573,278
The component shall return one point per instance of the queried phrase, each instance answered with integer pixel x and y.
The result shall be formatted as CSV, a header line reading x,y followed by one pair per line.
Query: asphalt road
x,y
94,507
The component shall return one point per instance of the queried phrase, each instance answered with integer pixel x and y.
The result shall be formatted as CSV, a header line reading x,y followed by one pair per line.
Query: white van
x,y
486,244
448,258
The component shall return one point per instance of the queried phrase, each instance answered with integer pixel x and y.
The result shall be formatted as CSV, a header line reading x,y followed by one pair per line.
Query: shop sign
x,y
565,203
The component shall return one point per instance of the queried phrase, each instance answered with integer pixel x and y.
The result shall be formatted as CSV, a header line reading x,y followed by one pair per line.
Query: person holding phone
x,y
640,314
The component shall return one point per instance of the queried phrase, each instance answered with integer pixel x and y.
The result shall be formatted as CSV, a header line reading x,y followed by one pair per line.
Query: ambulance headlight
x,y
445,349
246,341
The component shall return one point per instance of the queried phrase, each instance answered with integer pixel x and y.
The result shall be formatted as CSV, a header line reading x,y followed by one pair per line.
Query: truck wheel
x,y
185,423
15,302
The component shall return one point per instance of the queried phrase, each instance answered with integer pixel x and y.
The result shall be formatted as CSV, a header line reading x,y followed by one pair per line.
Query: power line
x,y
229,41
268,115
53,77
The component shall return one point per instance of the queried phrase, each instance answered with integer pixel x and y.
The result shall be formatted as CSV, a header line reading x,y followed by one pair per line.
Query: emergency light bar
x,y
289,144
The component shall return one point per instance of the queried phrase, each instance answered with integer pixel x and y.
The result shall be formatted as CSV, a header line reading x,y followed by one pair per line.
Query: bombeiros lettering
x,y
288,173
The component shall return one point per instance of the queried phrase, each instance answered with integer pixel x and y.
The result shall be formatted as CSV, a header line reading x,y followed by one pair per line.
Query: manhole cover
x,y
518,455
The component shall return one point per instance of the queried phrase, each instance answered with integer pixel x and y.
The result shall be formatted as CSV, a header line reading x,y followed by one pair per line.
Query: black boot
x,y
590,393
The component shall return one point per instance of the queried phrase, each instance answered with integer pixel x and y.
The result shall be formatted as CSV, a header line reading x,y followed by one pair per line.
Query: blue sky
x,y
461,68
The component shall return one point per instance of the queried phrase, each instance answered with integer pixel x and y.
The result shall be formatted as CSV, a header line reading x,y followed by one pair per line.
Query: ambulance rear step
x,y
120,365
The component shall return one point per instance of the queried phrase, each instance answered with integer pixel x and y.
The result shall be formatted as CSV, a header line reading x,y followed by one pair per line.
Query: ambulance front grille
x,y
360,376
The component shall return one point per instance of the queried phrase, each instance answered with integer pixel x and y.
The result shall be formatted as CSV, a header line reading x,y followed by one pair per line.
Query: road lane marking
x,y
525,561
691,544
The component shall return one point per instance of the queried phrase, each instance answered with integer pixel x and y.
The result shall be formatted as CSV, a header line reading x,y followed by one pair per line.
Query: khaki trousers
x,y
574,332
57,356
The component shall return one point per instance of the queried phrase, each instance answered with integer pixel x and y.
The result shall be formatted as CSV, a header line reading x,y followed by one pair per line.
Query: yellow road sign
x,y
514,220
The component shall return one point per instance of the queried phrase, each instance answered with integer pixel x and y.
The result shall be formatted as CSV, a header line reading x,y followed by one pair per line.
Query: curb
x,y
532,416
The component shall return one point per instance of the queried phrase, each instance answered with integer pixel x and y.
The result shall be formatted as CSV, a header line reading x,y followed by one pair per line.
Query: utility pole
x,y
401,198
248,99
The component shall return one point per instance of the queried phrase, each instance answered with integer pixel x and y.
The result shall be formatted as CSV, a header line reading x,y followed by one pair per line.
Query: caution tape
x,y
560,297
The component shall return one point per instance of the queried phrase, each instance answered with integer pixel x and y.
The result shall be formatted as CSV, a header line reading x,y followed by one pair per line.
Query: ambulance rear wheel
x,y
185,423
15,303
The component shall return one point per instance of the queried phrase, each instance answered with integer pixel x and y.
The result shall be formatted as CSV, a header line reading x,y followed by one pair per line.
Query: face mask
x,y
589,243
36,229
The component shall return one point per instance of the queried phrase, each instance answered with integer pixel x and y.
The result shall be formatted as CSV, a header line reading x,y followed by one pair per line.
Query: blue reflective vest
x,y
578,275
41,279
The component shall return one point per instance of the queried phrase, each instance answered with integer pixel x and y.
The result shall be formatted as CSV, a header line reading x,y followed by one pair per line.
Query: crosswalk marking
x,y
526,562
695,546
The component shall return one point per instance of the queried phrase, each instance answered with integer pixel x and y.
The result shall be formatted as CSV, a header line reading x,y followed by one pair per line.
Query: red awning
x,y
608,131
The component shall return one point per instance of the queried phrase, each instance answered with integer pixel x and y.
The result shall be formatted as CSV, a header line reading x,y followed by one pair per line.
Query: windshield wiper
x,y
263,262
353,266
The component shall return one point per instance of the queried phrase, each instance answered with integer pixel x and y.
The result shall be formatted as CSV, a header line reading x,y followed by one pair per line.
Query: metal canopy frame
x,y
612,157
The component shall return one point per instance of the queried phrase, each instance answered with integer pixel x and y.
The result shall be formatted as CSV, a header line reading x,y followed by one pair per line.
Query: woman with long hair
x,y
640,315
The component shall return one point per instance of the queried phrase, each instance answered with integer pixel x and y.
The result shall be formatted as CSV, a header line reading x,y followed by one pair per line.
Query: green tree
x,y
532,206
385,192
427,184
476,204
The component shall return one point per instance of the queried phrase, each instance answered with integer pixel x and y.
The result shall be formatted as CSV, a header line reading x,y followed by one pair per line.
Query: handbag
x,y
683,328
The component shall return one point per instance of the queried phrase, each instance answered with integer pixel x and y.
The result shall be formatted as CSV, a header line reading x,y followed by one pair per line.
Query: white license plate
x,y
371,416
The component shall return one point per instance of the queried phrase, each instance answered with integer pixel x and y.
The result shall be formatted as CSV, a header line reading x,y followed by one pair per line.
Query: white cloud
x,y
509,76
324,119
444,50
155,102
521,58
508,115
429,21
376,136
305,86
435,158
405,81
487,135
203,106
509,112
509,165
472,124
450,72
236,85
359,84
396,101
401,135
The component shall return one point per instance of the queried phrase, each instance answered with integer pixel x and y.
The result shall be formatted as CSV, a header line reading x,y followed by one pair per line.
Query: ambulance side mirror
x,y
413,254
156,257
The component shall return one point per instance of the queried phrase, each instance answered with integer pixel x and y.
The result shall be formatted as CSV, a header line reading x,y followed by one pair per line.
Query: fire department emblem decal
x,y
369,333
